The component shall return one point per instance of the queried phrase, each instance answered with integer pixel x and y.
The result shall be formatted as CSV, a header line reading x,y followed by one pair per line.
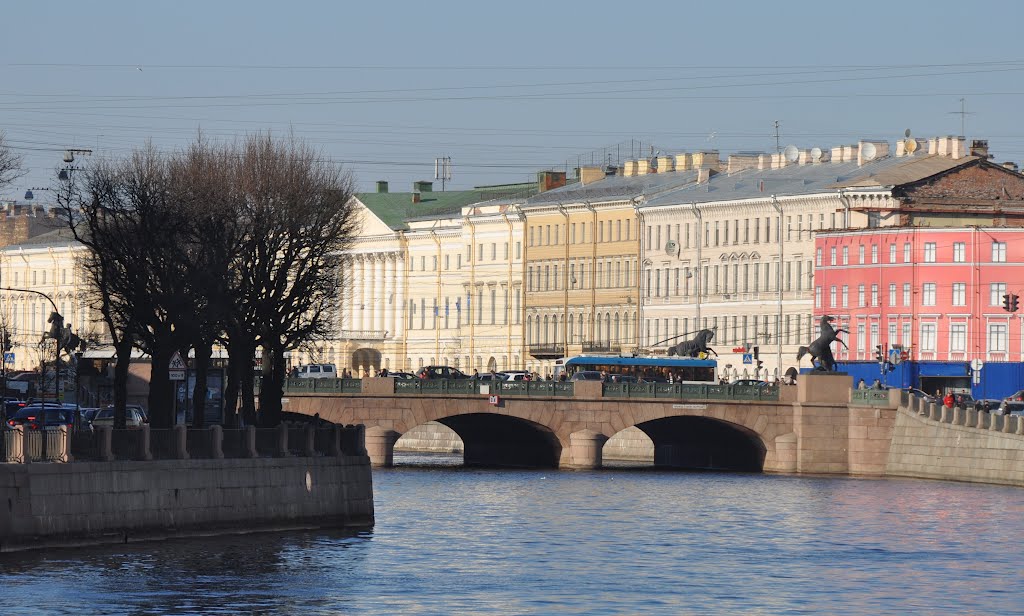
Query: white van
x,y
318,371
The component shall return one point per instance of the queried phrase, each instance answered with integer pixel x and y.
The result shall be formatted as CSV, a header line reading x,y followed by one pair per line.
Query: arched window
x,y
546,330
617,338
529,330
554,327
608,327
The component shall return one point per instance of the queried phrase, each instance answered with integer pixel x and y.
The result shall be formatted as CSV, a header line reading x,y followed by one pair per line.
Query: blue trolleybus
x,y
647,369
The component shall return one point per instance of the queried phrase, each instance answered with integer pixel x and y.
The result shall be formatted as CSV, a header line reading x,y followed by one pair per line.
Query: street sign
x,y
977,364
9,357
748,358
176,370
493,400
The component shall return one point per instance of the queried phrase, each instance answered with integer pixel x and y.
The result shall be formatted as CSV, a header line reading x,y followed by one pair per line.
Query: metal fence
x,y
126,444
869,397
266,442
85,445
199,443
534,388
163,444
338,386
691,391
297,439
234,444
34,445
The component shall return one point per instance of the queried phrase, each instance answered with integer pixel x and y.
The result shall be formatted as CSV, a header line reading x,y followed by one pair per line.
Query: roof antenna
x,y
778,150
963,113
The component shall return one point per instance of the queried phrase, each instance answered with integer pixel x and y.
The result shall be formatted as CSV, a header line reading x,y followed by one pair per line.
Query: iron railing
x,y
869,397
691,391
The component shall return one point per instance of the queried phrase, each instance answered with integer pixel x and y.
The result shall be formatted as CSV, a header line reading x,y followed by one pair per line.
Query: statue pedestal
x,y
824,387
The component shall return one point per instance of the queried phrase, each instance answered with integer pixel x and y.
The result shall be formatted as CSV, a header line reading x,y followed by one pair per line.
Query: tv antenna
x,y
443,170
777,150
963,113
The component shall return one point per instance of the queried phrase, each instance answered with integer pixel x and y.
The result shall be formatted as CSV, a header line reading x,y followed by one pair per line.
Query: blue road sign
x,y
9,358
748,358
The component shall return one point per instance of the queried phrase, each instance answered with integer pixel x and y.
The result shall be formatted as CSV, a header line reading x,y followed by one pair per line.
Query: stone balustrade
x,y
105,444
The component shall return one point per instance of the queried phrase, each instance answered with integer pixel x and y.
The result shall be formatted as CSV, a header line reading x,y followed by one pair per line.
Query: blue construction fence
x,y
997,380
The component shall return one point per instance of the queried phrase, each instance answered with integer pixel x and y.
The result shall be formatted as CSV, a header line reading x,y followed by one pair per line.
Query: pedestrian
x,y
476,375
861,385
604,376
562,377
294,373
948,400
383,371
876,385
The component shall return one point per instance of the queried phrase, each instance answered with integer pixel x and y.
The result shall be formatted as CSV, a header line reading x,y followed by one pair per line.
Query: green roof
x,y
395,208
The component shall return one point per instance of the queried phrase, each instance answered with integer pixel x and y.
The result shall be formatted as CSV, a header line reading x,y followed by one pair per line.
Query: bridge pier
x,y
380,445
585,449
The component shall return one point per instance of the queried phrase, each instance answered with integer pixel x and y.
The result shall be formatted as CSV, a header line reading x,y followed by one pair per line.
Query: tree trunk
x,y
272,386
161,390
124,360
231,394
204,350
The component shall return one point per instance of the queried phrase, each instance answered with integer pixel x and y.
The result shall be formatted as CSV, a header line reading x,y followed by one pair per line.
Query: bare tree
x,y
10,163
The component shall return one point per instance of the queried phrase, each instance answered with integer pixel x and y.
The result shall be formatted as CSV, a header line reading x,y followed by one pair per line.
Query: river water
x,y
463,541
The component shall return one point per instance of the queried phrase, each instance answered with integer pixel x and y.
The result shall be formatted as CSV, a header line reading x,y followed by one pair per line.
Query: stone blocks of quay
x,y
818,427
83,503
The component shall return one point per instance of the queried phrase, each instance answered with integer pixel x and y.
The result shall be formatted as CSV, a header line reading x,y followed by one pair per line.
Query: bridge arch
x,y
705,443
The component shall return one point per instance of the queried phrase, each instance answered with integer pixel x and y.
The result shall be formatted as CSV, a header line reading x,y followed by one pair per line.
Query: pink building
x,y
936,291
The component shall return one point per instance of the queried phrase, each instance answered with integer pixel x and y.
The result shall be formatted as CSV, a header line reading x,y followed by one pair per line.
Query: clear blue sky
x,y
503,89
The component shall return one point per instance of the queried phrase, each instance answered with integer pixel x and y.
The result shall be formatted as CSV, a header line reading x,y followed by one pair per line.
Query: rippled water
x,y
609,542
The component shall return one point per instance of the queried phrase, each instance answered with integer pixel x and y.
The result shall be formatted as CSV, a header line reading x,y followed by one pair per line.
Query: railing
x,y
343,386
85,445
534,388
199,443
234,444
267,440
600,347
163,444
437,386
34,445
538,350
127,444
870,397
691,391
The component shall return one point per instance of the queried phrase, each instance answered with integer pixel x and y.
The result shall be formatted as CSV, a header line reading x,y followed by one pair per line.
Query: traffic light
x,y
760,364
879,355
1006,302
757,351
1014,303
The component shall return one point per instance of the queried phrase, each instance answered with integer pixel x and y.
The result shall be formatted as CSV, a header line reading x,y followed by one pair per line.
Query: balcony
x,y
362,334
547,351
600,347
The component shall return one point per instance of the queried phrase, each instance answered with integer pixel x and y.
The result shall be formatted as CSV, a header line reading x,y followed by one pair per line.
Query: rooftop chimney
x,y
740,161
1012,166
630,169
416,197
979,147
422,186
589,175
707,159
665,164
684,162
547,180
704,174
643,166
382,186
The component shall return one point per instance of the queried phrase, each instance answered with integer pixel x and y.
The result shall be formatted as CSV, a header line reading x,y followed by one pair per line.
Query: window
x,y
959,293
892,297
928,337
892,253
832,296
757,231
929,252
928,294
996,292
833,254
860,295
518,249
959,252
846,296
874,253
480,252
572,233
958,338
906,252
860,254
874,295
817,257
861,342
846,255
906,335
999,252
817,297
997,337
627,229
906,293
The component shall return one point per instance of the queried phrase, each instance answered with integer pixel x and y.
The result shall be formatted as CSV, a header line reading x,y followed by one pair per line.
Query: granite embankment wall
x,y
629,445
934,442
86,503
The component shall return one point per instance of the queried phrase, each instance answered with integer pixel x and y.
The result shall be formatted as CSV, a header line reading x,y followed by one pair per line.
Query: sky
x,y
503,89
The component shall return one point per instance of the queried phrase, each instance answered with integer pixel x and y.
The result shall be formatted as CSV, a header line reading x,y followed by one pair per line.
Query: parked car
x,y
928,398
88,414
516,375
317,371
496,376
135,407
403,376
963,400
1017,397
441,372
13,406
755,382
586,375
622,378
30,416
105,417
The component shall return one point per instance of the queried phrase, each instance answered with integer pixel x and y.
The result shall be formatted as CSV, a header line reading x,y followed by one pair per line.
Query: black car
x,y
441,372
30,416
1010,407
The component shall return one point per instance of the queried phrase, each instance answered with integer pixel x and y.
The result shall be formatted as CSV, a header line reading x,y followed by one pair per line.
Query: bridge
x,y
818,426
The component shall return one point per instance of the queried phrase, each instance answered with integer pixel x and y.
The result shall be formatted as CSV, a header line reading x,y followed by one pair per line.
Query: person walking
x,y
948,400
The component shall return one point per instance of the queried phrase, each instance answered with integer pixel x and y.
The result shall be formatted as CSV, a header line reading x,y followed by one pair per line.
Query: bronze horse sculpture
x,y
820,349
694,346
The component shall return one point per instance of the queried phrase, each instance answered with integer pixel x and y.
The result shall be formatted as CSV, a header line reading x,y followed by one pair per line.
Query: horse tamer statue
x,y
695,346
820,349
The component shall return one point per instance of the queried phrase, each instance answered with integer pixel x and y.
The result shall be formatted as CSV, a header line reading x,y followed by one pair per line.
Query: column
x,y
389,294
367,296
379,299
399,324
355,286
